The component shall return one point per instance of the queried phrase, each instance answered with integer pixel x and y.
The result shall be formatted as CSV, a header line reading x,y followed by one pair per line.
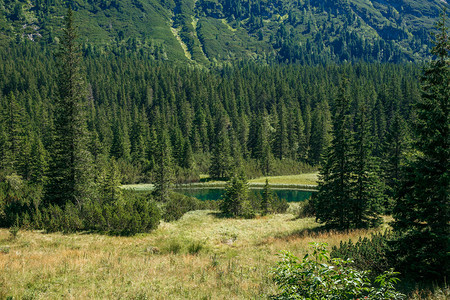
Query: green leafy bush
x,y
317,276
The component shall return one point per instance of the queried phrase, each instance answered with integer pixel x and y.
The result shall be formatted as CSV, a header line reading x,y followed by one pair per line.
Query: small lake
x,y
216,193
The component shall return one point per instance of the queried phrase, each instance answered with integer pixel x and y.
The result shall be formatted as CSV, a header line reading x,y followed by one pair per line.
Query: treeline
x,y
269,119
66,147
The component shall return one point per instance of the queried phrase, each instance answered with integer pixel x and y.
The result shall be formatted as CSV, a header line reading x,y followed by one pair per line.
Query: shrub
x,y
317,276
179,204
14,230
126,217
367,253
18,198
66,220
195,247
279,205
306,209
269,202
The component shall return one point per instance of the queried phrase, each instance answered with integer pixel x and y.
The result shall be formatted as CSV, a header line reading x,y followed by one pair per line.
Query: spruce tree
x,y
267,199
69,169
368,191
320,132
421,213
333,201
394,156
220,161
164,174
235,199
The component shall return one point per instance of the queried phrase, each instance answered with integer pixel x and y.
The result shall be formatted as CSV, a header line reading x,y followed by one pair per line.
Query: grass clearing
x,y
299,179
201,256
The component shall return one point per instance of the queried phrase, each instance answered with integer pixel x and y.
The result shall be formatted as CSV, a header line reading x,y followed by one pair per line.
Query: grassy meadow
x,y
200,256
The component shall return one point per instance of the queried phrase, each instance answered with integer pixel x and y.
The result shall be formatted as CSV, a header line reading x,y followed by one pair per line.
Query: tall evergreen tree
x,y
320,132
267,199
69,169
422,214
394,155
368,191
164,173
333,201
221,161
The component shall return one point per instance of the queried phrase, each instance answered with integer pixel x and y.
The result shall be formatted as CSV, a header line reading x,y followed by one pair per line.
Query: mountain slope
x,y
215,31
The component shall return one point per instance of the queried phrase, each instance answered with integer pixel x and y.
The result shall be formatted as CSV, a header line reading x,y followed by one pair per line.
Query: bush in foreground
x,y
318,276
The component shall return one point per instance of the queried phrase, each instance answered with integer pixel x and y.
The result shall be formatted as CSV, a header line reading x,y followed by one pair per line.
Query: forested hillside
x,y
177,92
215,31
271,120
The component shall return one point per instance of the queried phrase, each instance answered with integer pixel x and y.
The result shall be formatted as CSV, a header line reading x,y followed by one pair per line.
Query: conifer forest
x,y
110,109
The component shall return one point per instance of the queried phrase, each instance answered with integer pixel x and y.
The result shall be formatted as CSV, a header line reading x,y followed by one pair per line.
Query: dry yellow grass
x,y
233,259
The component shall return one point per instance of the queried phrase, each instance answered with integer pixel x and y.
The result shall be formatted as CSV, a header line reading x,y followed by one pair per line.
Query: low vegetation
x,y
200,256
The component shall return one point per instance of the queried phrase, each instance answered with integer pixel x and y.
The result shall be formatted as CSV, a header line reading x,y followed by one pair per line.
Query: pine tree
x,y
320,132
267,198
281,143
234,200
367,194
422,213
221,161
39,162
333,201
394,155
69,170
109,187
164,174
13,121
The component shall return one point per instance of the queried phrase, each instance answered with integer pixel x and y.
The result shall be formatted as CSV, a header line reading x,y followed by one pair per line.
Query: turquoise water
x,y
216,194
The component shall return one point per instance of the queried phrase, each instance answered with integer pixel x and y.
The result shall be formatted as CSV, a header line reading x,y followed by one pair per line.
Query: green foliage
x,y
164,168
350,190
371,254
267,199
317,276
14,230
17,199
70,164
279,205
127,217
306,209
308,32
65,219
235,200
422,212
180,204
